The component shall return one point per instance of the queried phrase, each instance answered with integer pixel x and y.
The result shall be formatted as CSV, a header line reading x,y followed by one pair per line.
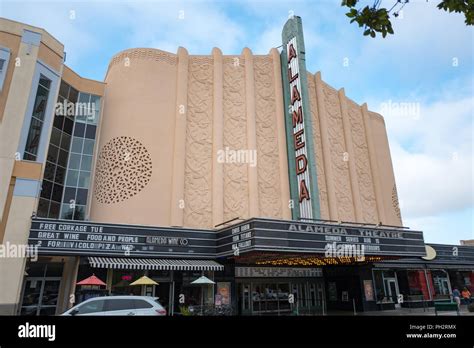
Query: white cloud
x,y
196,26
430,185
446,228
271,37
432,155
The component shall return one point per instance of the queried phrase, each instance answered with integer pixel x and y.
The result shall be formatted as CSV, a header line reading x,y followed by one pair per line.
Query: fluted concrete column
x,y
218,140
373,164
346,124
283,155
332,201
251,130
179,150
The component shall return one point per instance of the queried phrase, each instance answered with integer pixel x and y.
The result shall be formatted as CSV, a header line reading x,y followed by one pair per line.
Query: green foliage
x,y
185,310
460,6
375,19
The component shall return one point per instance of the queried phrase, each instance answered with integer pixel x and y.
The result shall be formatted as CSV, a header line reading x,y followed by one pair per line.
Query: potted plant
x,y
185,310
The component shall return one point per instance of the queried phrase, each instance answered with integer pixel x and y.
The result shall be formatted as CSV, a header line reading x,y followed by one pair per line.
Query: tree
x,y
376,19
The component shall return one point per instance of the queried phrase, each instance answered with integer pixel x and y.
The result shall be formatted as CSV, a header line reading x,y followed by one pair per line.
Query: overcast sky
x,y
428,63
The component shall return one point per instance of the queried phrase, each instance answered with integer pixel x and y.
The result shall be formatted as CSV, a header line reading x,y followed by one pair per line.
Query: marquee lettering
x,y
301,159
291,53
295,95
304,194
299,143
298,134
297,117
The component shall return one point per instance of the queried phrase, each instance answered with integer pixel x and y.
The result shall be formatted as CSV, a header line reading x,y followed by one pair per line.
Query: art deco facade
x,y
179,110
132,177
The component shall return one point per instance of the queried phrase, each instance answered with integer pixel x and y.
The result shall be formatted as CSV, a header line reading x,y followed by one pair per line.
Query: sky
x,y
427,66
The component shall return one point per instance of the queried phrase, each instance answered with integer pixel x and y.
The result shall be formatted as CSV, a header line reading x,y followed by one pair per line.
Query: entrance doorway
x,y
392,289
280,297
40,296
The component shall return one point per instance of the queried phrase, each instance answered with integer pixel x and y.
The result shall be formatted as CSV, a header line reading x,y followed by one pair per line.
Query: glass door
x,y
245,298
309,298
31,296
392,289
40,296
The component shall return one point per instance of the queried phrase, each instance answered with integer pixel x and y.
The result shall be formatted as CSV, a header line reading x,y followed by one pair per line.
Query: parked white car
x,y
118,305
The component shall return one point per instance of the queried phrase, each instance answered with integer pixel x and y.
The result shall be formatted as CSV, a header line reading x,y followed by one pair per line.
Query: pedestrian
x,y
457,296
466,296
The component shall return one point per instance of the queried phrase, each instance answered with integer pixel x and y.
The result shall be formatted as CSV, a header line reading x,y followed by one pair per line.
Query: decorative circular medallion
x,y
124,168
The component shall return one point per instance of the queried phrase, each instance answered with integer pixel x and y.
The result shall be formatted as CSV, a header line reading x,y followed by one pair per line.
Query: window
x,y
70,153
91,307
74,161
32,142
81,197
77,144
86,162
118,305
43,208
71,150
88,146
37,118
67,212
4,58
84,178
72,176
53,209
141,304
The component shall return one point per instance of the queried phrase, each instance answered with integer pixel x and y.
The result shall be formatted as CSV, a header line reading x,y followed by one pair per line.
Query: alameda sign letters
x,y
298,129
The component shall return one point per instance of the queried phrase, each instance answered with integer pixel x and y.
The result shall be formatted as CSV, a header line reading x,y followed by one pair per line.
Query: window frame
x,y
5,54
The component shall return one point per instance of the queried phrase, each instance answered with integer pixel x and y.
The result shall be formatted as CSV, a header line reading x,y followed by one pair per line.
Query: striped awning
x,y
155,264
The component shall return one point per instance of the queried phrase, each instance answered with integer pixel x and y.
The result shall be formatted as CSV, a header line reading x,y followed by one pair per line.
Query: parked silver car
x,y
118,305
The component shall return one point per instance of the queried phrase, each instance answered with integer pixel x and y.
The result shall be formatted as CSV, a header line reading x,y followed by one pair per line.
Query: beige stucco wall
x,y
354,166
140,103
12,42
82,84
184,109
10,125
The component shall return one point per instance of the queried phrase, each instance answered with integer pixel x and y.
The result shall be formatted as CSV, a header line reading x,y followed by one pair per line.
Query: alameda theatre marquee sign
x,y
66,237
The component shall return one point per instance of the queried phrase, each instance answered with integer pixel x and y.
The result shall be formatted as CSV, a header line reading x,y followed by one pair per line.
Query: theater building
x,y
245,168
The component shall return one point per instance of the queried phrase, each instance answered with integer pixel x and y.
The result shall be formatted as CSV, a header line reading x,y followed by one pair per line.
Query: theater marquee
x,y
302,170
312,238
65,237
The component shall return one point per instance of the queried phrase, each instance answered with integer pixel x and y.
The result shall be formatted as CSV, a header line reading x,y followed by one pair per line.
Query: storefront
x,y
419,282
118,255
280,291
